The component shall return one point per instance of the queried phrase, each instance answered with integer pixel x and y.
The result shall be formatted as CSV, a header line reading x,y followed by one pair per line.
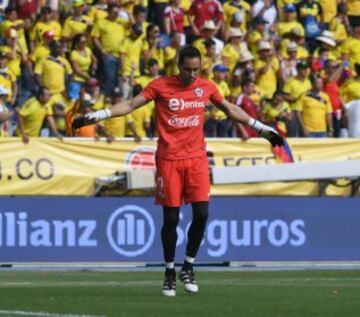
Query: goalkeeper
x,y
181,162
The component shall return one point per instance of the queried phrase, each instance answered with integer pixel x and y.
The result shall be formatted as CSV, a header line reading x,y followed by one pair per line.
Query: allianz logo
x,y
180,104
130,231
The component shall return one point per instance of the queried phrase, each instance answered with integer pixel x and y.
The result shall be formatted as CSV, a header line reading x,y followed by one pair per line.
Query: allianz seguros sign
x,y
128,229
130,232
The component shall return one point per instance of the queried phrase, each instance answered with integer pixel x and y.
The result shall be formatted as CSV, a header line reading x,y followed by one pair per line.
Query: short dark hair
x,y
246,82
328,62
41,91
173,34
10,8
209,42
357,69
54,44
302,64
76,40
277,93
138,8
137,89
117,92
151,62
112,6
188,52
151,27
341,7
247,72
314,76
45,10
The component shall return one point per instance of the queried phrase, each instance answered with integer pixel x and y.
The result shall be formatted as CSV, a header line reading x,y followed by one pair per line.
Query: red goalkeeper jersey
x,y
180,115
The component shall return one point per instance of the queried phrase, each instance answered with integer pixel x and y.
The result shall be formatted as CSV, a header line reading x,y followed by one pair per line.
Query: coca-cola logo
x,y
191,121
141,158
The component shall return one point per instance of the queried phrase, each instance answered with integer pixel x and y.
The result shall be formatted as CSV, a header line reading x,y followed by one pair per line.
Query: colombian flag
x,y
283,154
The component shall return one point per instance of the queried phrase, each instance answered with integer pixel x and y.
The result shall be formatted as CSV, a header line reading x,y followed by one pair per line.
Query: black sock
x,y
170,272
187,266
168,232
197,228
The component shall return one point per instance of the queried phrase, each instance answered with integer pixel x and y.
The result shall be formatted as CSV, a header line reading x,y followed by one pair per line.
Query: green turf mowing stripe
x,y
316,293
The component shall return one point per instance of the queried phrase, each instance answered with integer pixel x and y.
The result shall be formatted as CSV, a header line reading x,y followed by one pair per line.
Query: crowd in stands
x,y
292,64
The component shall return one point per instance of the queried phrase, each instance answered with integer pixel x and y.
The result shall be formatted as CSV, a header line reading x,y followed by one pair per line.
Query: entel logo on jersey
x,y
180,104
141,158
130,230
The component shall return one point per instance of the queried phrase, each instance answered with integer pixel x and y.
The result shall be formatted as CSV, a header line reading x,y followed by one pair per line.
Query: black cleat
x,y
169,287
188,278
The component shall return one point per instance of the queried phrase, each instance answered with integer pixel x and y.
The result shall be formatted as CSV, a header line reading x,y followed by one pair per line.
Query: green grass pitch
x,y
325,293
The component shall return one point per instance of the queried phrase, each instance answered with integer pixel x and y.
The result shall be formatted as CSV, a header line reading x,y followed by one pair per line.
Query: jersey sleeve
x,y
216,97
66,29
32,33
39,67
328,104
226,52
219,12
96,31
128,118
192,9
147,117
151,91
124,46
11,75
259,64
68,68
299,105
227,90
49,110
74,56
25,110
287,87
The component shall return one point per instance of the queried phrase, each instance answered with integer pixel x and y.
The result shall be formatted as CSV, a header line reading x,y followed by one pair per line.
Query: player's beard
x,y
187,81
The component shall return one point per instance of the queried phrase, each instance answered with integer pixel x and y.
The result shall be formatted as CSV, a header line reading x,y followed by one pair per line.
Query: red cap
x,y
93,82
48,35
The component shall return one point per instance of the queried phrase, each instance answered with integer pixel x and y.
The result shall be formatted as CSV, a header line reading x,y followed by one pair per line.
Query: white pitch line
x,y
40,314
302,281
80,284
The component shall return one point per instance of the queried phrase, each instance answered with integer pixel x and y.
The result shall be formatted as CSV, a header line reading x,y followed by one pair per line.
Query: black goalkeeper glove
x,y
90,118
267,132
273,137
